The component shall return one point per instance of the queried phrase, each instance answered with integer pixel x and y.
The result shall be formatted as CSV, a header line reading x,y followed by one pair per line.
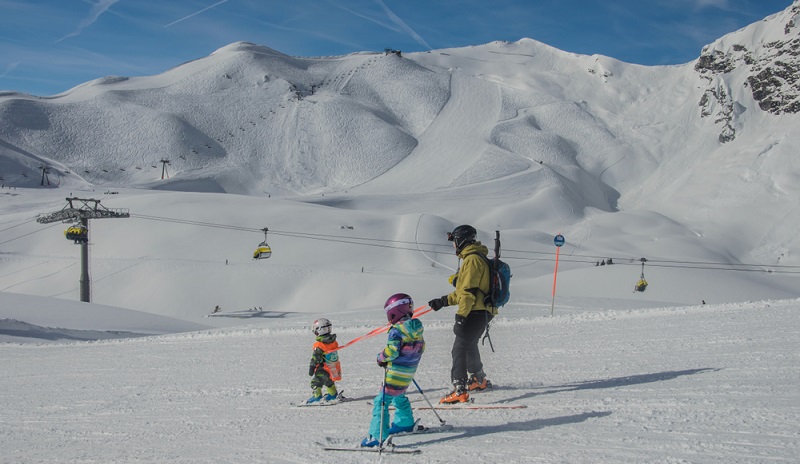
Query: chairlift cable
x,y
20,224
30,233
510,254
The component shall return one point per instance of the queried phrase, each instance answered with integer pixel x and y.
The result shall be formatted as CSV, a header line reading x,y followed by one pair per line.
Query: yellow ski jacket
x,y
471,281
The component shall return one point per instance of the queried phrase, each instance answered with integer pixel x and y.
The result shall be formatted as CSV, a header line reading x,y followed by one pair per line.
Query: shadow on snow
x,y
526,426
616,382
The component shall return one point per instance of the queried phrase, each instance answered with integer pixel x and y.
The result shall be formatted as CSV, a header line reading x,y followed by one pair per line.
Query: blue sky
x,y
49,46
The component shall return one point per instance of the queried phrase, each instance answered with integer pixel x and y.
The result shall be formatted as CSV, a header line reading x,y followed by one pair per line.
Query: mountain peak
x,y
763,59
243,46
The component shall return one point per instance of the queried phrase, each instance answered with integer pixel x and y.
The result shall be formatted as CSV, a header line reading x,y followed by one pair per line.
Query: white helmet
x,y
322,326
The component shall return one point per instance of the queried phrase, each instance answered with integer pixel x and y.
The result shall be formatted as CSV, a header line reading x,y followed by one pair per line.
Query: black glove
x,y
383,363
438,303
458,327
312,369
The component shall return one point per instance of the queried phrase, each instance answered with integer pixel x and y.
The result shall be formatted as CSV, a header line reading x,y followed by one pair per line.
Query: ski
x,y
468,405
391,449
419,430
388,445
339,399
320,404
442,407
475,406
392,408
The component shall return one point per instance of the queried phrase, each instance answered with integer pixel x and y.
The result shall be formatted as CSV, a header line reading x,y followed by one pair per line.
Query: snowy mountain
x,y
768,59
698,157
612,137
357,165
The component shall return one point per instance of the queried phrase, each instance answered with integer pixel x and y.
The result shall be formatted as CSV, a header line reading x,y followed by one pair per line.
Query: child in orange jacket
x,y
324,369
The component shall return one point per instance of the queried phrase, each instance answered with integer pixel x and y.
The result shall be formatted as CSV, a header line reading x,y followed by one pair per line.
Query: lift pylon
x,y
164,162
81,209
45,171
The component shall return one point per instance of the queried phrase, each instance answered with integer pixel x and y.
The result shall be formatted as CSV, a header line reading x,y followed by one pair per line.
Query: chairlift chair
x,y
77,233
263,251
641,285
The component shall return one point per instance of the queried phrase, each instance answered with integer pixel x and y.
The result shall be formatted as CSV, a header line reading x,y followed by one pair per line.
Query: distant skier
x,y
324,369
216,309
400,359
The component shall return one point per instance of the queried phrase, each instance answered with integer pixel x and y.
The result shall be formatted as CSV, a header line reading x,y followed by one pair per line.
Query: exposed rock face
x,y
777,87
724,114
773,76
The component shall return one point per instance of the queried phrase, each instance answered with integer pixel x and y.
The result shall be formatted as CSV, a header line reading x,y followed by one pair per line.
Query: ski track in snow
x,y
693,384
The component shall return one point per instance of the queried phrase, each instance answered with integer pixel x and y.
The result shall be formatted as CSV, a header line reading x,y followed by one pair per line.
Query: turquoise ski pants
x,y
403,415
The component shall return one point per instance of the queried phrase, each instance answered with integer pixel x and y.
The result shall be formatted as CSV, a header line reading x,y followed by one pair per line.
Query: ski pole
x,y
428,401
486,334
383,404
485,337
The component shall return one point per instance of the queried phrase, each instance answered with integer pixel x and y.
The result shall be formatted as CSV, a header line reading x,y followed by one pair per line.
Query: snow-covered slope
x,y
26,318
600,384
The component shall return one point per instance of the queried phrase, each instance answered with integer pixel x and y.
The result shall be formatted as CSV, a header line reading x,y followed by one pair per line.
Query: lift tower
x,y
164,162
80,209
45,171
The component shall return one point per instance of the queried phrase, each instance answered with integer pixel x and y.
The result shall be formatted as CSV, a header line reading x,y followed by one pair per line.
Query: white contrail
x,y
721,4
197,12
10,68
396,19
97,9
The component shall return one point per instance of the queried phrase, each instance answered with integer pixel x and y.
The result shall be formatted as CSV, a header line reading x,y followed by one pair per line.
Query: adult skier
x,y
471,283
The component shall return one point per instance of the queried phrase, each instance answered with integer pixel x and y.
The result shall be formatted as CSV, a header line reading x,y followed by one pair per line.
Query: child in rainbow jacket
x,y
400,358
324,368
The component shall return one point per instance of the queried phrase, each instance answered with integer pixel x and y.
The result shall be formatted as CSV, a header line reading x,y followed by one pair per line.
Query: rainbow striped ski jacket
x,y
403,352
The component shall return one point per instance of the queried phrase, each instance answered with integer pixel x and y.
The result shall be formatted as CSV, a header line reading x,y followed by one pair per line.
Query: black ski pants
x,y
466,355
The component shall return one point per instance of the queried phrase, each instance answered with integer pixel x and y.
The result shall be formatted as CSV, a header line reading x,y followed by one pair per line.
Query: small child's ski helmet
x,y
398,306
322,326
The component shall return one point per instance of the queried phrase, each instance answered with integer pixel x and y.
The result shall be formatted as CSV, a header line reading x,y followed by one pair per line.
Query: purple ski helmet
x,y
398,306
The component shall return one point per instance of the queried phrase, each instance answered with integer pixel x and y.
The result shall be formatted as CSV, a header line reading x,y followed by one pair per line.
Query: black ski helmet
x,y
462,236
